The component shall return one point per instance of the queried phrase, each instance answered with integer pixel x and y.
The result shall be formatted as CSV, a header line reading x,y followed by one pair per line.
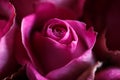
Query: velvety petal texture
x,y
8,63
61,47
7,15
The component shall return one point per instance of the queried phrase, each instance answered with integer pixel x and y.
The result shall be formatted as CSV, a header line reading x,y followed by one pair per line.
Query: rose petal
x,y
88,36
50,52
33,74
8,64
25,32
7,15
89,74
76,67
26,29
68,37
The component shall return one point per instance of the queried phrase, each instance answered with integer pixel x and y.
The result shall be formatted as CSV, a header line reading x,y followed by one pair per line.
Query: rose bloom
x,y
61,50
48,47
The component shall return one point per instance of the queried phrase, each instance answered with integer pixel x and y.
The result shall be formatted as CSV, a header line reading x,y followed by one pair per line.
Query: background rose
x,y
7,15
68,42
104,15
111,73
73,7
8,64
9,44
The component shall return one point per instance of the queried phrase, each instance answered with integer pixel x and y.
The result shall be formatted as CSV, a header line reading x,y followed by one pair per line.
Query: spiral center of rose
x,y
59,30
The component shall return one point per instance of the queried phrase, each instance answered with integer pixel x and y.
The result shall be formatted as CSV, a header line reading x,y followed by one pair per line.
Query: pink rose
x,y
8,64
51,45
59,49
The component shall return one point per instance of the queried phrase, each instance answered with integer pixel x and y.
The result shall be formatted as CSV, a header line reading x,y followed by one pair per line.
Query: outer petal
x,y
7,15
8,64
89,74
33,74
26,29
50,52
73,69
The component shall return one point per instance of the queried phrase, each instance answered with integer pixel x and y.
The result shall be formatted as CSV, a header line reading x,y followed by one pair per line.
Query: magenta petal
x,y
7,15
33,74
27,25
8,64
108,74
26,28
76,67
88,37
50,52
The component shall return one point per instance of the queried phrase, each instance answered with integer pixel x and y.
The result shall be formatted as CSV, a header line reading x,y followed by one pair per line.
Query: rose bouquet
x,y
55,40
